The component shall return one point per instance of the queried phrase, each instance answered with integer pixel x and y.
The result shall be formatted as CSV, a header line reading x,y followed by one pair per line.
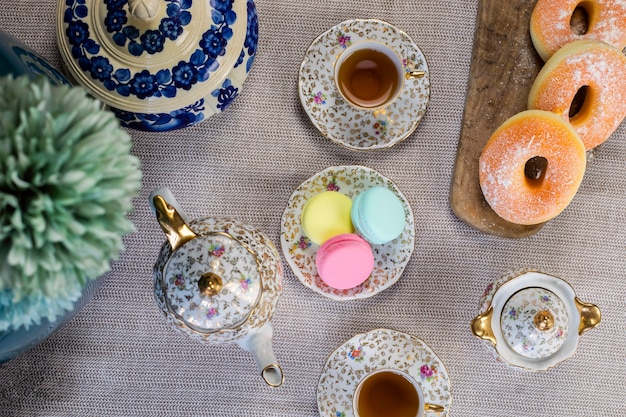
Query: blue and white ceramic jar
x,y
159,64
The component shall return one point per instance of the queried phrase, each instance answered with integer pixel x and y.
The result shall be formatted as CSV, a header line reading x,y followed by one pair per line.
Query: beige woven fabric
x,y
118,357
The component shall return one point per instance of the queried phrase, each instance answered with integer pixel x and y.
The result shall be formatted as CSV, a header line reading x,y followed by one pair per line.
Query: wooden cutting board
x,y
503,69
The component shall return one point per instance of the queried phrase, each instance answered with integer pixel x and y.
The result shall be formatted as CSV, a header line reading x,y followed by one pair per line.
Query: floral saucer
x,y
377,349
390,259
338,120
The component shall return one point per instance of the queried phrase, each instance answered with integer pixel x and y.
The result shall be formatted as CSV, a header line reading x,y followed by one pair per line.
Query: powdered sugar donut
x,y
531,167
550,24
595,65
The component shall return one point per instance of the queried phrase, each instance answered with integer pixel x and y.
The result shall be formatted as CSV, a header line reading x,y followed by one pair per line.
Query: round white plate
x,y
390,259
338,120
378,349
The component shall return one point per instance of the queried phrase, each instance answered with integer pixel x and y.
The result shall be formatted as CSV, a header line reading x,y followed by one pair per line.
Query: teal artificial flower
x,y
67,179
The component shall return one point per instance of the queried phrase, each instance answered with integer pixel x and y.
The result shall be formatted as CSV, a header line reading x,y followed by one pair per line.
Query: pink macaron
x,y
344,261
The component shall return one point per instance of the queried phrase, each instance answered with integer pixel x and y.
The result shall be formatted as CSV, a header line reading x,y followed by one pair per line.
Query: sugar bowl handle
x,y
481,326
590,315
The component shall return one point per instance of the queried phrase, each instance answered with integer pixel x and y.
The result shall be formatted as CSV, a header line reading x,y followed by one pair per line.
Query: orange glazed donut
x,y
550,23
596,65
531,167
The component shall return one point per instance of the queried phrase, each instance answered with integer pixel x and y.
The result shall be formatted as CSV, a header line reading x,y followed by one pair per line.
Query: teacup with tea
x,y
370,75
390,392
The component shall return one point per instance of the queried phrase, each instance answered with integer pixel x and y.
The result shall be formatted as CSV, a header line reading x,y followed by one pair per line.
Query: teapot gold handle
x,y
171,220
590,315
481,326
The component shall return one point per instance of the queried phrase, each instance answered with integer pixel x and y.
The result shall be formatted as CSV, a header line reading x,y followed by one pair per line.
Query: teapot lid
x,y
150,56
534,322
212,282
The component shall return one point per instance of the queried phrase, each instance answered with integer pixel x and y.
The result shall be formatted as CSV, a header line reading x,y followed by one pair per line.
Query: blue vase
x,y
17,59
16,342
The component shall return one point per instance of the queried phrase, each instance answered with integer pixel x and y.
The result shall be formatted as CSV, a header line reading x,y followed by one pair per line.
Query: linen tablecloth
x,y
118,357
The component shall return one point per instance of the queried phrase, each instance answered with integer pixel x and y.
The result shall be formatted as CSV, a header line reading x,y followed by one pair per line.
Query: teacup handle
x,y
434,407
414,74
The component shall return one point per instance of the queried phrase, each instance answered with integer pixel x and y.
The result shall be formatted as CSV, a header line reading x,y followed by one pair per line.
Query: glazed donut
x,y
531,167
550,24
595,65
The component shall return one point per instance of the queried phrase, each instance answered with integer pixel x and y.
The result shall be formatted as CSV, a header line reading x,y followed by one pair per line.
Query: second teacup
x,y
369,75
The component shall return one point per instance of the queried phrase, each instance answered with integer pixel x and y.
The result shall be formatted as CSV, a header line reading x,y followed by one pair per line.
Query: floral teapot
x,y
218,281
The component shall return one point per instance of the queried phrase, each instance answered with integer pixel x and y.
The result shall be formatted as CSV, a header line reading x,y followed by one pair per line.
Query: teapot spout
x,y
259,344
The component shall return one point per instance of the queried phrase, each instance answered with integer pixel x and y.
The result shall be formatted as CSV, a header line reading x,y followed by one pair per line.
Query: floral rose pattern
x,y
303,243
319,98
343,40
332,185
356,354
428,373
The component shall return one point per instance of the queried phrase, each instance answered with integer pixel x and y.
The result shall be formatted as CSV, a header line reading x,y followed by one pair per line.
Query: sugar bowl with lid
x,y
218,281
159,64
532,320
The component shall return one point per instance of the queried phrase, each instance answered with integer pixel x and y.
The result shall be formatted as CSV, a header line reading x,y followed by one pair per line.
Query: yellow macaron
x,y
325,215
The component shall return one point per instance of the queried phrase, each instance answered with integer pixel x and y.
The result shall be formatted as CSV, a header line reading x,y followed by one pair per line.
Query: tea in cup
x,y
388,392
370,75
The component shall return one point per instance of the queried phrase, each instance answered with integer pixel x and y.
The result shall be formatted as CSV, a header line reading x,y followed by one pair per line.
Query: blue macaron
x,y
378,215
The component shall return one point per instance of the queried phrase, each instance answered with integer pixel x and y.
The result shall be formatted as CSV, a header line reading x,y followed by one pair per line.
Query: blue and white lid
x,y
151,56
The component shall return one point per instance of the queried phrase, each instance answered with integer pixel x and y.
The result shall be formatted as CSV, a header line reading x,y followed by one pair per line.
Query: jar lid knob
x,y
144,9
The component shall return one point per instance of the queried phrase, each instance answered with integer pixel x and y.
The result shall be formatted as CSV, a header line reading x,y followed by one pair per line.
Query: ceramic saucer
x,y
381,348
390,259
338,120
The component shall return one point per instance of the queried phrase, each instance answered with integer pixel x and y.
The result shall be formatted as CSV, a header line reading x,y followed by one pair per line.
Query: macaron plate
x,y
390,259
333,116
381,349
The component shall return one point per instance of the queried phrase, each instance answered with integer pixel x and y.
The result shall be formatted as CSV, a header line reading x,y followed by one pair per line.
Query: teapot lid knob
x,y
210,284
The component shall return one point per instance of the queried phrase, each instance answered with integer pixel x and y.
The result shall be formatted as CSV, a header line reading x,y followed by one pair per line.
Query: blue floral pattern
x,y
225,95
161,122
165,82
152,41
